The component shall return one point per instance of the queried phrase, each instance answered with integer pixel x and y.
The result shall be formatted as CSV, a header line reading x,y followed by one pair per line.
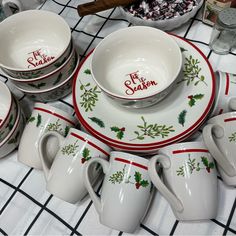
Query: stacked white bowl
x,y
11,121
38,54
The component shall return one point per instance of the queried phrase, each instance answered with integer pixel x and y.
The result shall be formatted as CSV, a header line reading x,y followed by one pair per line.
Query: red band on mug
x,y
55,114
90,143
189,150
227,84
230,119
131,163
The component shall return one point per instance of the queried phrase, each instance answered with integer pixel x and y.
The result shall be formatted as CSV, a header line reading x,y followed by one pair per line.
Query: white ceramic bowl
x,y
11,141
49,80
136,66
167,25
59,91
8,111
33,43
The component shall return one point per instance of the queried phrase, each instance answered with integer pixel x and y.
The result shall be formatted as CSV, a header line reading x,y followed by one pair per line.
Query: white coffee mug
x,y
219,136
225,99
126,191
44,118
21,5
189,180
64,176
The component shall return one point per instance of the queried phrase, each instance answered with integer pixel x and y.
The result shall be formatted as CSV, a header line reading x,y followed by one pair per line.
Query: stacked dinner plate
x,y
145,130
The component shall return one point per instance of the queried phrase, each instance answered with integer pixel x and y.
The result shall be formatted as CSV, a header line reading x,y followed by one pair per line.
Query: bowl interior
x,y
27,44
5,102
136,62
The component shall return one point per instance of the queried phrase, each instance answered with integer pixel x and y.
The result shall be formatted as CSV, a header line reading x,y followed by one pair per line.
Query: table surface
x,y
26,208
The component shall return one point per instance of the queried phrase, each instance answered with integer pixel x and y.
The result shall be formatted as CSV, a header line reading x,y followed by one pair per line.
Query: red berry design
x,y
83,160
122,129
208,169
190,97
137,185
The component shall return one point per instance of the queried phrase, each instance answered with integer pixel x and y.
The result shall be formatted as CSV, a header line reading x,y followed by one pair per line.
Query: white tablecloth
x,y
27,208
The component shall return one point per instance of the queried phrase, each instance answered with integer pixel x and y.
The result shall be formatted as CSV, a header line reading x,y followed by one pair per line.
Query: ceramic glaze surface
x,y
44,118
29,43
137,62
6,101
175,117
190,180
126,190
64,175
220,138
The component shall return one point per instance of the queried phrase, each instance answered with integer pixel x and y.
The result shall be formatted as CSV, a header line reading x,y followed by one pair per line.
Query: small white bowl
x,y
49,80
136,66
33,43
59,91
8,111
167,24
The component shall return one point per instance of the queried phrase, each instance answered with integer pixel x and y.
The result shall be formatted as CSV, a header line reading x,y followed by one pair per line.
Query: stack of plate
x,y
146,130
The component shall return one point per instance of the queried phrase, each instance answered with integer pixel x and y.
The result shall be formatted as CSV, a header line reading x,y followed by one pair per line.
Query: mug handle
x,y
170,197
232,104
6,8
215,151
46,163
105,166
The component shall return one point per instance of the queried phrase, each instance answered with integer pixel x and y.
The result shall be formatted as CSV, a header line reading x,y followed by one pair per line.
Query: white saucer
x,y
171,120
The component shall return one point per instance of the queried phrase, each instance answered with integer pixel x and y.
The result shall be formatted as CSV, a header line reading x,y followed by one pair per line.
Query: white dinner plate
x,y
173,119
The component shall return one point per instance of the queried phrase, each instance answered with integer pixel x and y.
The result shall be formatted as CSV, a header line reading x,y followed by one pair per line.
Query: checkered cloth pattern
x,y
26,208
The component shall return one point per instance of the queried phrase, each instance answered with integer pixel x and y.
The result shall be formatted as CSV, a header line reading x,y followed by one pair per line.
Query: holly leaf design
x,y
119,131
31,119
85,153
211,165
191,102
198,96
182,117
39,120
10,124
115,128
183,49
58,79
87,72
37,86
205,161
67,130
97,121
137,177
120,134
144,183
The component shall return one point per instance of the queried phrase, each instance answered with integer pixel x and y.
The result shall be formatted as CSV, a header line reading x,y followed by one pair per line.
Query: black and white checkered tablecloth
x,y
26,208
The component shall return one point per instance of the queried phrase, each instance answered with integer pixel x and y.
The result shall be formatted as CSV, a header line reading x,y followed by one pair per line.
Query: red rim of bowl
x,y
9,111
177,137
